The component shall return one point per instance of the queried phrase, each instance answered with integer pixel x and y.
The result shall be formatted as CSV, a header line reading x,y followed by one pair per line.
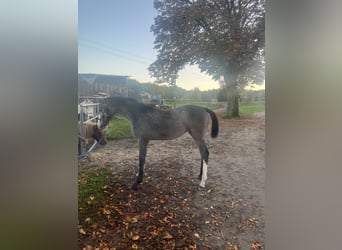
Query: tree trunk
x,y
232,101
230,78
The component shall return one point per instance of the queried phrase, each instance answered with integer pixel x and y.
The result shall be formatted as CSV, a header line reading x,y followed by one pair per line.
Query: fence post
x,y
82,146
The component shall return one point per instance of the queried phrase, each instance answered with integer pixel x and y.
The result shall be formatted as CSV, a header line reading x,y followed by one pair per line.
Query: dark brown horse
x,y
92,131
149,123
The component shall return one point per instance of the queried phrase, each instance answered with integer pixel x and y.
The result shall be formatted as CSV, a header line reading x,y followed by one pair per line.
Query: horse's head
x,y
114,105
109,108
106,116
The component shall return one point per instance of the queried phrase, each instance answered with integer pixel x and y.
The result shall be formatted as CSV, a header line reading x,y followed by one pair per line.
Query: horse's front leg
x,y
142,155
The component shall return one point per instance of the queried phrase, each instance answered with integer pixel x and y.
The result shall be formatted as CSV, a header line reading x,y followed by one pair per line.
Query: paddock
x,y
228,213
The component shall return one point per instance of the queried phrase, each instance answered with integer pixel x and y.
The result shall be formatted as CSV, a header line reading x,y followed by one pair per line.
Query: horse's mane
x,y
138,106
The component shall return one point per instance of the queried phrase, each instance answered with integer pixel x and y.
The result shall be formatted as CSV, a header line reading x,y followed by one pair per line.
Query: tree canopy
x,y
214,34
225,38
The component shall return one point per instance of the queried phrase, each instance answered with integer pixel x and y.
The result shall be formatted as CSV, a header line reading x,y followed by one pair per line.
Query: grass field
x,y
247,109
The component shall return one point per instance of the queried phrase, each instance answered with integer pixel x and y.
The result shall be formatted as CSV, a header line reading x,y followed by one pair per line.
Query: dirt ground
x,y
227,214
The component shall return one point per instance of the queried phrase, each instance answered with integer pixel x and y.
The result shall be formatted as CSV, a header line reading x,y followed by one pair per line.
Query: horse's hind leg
x,y
204,162
206,158
142,154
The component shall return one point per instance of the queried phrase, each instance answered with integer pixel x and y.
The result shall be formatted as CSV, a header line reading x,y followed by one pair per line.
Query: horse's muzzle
x,y
103,141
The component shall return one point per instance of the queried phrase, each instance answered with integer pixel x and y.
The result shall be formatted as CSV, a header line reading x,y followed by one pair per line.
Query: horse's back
x,y
192,114
195,118
159,125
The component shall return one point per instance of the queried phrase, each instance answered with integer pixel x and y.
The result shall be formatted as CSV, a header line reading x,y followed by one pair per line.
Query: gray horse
x,y
149,123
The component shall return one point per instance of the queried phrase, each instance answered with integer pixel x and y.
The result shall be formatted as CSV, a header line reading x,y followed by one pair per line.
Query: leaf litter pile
x,y
160,215
169,210
156,216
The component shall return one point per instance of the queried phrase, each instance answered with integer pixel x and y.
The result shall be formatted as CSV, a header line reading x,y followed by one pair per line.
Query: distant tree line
x,y
253,95
167,92
244,96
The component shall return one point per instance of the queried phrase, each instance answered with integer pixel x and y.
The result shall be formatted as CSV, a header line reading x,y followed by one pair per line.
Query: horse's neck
x,y
132,112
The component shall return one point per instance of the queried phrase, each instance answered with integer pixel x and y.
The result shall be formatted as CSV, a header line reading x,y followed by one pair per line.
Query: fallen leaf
x,y
135,237
193,247
256,246
167,236
106,211
81,230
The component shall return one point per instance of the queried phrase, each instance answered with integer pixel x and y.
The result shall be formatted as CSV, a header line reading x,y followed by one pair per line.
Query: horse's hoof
x,y
200,177
135,186
202,184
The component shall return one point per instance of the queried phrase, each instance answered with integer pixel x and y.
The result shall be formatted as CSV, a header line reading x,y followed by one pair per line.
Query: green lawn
x,y
119,128
247,109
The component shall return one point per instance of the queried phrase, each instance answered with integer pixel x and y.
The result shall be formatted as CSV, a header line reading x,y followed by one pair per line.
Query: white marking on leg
x,y
204,174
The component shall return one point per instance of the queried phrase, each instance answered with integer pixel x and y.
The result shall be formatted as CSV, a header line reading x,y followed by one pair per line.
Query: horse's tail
x,y
214,123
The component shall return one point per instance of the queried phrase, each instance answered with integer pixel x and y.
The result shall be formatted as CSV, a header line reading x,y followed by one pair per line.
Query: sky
x,y
114,38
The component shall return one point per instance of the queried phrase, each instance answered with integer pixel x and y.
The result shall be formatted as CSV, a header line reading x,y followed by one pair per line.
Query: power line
x,y
127,55
116,51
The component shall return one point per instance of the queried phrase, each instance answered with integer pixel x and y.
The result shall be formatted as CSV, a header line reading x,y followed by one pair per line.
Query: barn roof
x,y
102,78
